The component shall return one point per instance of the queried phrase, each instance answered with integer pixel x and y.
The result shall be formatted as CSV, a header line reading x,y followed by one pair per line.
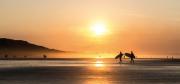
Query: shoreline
x,y
69,59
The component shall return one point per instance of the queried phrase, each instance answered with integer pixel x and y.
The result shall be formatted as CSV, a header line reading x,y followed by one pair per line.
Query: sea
x,y
89,71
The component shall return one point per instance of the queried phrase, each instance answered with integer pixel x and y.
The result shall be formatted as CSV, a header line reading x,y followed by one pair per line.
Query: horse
x,y
130,55
120,57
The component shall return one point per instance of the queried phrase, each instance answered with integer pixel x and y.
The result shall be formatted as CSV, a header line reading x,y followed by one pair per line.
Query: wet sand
x,y
55,72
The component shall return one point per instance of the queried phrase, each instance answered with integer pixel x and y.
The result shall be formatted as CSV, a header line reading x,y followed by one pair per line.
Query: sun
x,y
99,29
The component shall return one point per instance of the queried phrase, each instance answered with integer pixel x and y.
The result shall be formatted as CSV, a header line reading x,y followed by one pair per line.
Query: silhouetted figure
x,y
5,56
44,56
130,55
25,56
120,57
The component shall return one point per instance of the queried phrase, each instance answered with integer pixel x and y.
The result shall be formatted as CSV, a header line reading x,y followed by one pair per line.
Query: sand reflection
x,y
97,81
99,64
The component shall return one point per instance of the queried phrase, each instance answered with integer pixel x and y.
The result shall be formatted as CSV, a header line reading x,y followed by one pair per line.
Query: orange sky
x,y
144,26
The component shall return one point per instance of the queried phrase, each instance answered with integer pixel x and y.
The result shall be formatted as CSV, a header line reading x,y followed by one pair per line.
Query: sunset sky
x,y
144,26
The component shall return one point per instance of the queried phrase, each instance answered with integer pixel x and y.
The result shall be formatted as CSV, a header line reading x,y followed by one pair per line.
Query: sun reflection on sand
x,y
99,64
97,81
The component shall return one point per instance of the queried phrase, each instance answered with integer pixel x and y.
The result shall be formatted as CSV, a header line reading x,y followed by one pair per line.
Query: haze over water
x,y
148,27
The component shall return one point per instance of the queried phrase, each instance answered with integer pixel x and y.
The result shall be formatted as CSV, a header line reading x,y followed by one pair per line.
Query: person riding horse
x,y
130,55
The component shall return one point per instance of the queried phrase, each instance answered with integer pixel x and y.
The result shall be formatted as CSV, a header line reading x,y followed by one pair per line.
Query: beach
x,y
85,71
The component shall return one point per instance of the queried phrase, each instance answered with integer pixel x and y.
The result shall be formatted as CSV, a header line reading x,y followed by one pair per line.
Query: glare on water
x,y
99,64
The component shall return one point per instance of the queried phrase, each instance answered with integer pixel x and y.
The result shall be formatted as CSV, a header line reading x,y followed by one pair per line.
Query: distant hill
x,y
11,45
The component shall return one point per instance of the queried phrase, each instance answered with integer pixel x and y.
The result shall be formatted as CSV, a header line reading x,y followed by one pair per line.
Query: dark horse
x,y
130,55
